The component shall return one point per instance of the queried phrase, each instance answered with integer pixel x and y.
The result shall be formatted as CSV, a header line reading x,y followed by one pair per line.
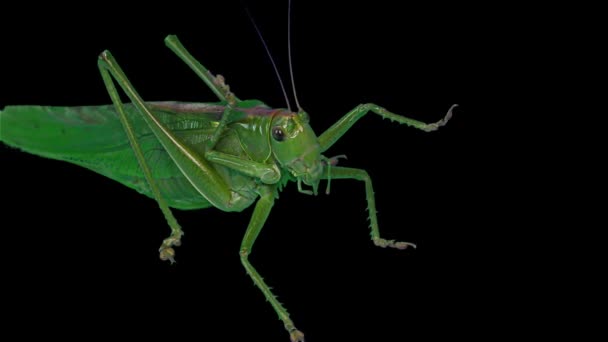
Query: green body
x,y
93,137
228,155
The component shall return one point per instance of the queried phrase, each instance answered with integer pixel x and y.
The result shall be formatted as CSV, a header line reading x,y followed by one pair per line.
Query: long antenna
x,y
293,83
276,70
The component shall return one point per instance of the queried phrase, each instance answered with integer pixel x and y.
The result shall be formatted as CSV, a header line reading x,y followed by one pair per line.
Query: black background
x,y
78,242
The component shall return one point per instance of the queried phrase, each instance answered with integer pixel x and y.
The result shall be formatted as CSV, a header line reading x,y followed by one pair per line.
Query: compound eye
x,y
278,134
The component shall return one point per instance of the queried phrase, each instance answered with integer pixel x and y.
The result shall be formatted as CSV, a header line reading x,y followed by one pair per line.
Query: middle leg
x,y
260,214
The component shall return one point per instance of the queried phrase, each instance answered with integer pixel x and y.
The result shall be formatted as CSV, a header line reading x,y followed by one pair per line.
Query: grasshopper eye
x,y
278,134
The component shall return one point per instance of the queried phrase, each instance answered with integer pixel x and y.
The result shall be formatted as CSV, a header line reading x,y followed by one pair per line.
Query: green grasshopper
x,y
228,155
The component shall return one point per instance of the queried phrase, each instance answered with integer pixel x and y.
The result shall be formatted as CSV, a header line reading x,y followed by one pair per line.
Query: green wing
x,y
93,137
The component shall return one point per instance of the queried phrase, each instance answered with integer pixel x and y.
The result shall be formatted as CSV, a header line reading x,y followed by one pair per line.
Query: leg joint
x,y
371,106
366,106
364,176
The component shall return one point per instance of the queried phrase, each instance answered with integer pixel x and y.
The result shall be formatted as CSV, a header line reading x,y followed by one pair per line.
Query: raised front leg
x,y
332,134
338,172
260,214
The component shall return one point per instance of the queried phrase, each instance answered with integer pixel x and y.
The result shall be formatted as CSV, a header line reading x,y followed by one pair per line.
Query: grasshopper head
x,y
296,148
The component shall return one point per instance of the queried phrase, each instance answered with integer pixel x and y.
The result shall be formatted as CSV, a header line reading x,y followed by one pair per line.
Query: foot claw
x,y
296,336
167,253
393,244
404,245
166,250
